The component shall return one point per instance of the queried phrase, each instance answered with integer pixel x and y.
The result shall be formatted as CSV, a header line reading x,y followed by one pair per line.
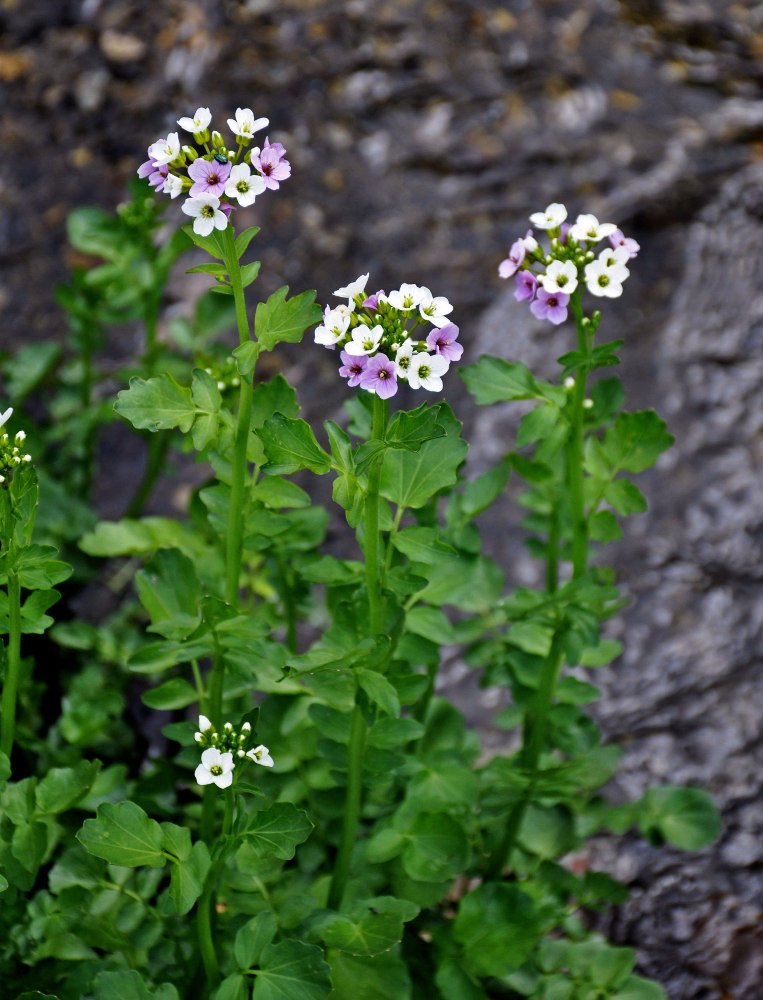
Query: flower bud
x,y
569,382
588,403
191,153
217,141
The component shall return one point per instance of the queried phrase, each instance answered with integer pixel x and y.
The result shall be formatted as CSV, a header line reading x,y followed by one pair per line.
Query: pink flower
x,y
379,376
372,302
209,177
156,173
271,164
513,262
527,286
551,306
353,367
617,239
443,342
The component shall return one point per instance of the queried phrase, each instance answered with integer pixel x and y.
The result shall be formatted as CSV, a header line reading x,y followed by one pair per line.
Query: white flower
x,y
198,123
244,124
434,308
243,185
334,326
588,228
617,257
407,297
260,755
172,186
4,416
215,768
529,241
364,340
164,150
354,288
403,358
604,280
560,276
552,218
426,370
206,214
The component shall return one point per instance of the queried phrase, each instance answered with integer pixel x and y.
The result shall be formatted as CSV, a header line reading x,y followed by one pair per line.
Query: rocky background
x,y
422,134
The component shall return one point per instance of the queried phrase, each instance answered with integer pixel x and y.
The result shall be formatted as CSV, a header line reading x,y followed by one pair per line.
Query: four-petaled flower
x,y
271,164
335,324
215,768
527,286
426,370
443,342
260,755
206,214
560,276
617,239
352,367
513,262
604,279
552,218
209,177
164,150
354,288
199,122
244,124
365,340
587,228
379,376
243,185
434,308
406,297
550,305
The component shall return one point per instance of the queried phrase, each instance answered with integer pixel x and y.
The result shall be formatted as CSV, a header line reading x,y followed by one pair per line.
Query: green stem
x,y
372,545
531,753
206,907
288,601
574,450
236,512
12,666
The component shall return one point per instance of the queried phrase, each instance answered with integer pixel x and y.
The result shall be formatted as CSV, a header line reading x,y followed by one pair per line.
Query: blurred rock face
x,y
422,135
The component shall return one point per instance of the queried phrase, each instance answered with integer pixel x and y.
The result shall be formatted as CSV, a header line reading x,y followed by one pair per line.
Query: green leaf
x,y
243,240
636,440
285,320
63,786
437,848
383,977
207,400
250,939
636,988
127,984
537,424
128,537
187,877
369,926
156,404
292,970
603,527
172,694
269,398
249,273
686,817
454,983
625,497
379,690
412,478
388,732
123,834
411,428
290,445
498,927
275,492
547,831
210,243
168,586
482,491
277,830
235,987
422,545
492,380
532,637
246,356
430,623
30,365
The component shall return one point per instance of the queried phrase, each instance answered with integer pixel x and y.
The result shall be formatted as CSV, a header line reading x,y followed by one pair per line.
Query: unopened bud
x,y
587,403
569,382
191,153
217,140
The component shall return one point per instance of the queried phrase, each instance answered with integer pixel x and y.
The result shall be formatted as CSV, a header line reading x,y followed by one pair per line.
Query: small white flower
x,y
5,416
335,325
206,214
20,436
569,382
260,755
617,257
605,281
243,185
560,276
215,768
426,370
403,357
552,218
434,308
407,297
164,150
354,288
172,186
364,340
198,123
246,728
588,228
529,241
244,124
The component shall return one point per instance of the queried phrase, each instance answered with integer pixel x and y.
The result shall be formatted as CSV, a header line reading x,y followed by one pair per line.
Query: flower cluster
x,y
223,750
11,456
216,178
380,340
547,279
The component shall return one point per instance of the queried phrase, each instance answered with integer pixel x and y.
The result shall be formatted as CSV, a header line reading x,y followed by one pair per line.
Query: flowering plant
x,y
377,853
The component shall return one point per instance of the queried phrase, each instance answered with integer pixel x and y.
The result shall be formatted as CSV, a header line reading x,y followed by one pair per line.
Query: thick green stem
x,y
531,752
574,450
239,466
12,666
372,544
